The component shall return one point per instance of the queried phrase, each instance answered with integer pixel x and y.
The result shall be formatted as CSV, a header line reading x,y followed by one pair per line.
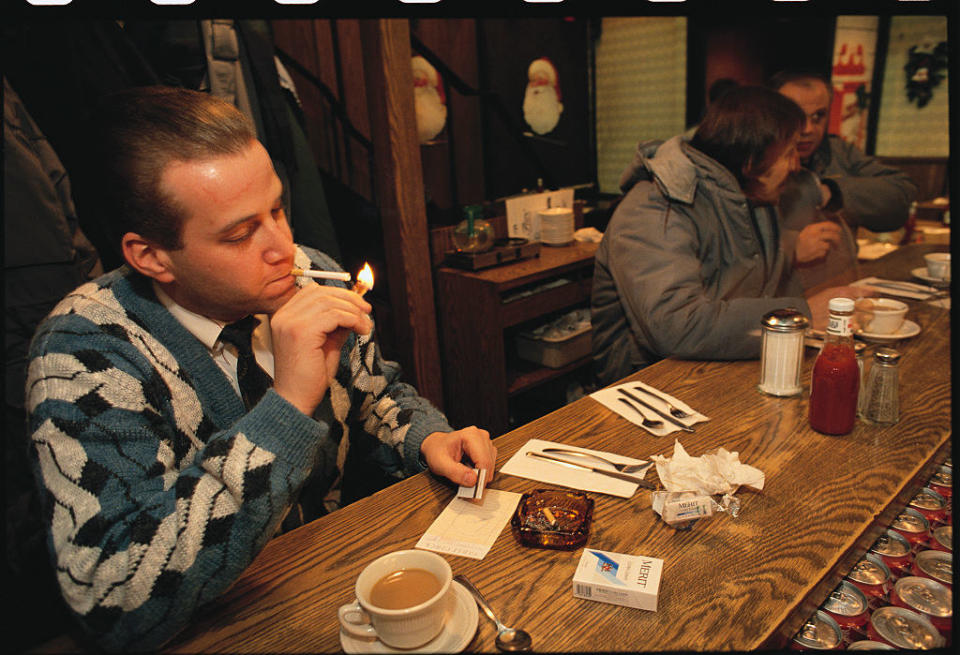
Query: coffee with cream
x,y
404,588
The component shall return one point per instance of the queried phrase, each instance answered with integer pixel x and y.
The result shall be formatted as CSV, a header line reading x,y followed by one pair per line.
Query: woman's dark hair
x,y
745,128
135,134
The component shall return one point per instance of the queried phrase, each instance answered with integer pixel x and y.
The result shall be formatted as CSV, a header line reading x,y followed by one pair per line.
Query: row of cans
x,y
900,594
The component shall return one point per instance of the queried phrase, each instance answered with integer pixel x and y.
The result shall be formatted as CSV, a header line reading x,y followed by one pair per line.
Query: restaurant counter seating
x,y
743,583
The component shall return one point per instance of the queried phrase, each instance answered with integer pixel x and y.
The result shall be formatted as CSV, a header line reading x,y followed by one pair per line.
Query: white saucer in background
x,y
907,329
457,633
921,274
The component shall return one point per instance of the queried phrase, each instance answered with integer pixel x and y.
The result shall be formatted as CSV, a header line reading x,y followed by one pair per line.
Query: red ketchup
x,y
835,383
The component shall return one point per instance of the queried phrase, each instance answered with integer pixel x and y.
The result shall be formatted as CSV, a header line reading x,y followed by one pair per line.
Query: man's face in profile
x,y
238,249
813,96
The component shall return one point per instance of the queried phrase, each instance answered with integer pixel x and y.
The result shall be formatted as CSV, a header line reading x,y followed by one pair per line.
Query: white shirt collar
x,y
206,329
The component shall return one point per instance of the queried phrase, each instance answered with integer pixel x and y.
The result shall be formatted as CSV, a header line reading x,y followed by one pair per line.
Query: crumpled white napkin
x,y
718,472
591,234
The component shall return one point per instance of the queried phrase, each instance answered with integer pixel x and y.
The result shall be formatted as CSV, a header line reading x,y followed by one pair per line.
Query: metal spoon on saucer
x,y
508,639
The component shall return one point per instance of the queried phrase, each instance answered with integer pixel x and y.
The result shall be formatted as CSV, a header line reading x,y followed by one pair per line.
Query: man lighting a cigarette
x,y
190,405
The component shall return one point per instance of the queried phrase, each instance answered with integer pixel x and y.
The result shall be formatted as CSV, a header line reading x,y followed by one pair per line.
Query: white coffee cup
x,y
938,265
408,627
880,315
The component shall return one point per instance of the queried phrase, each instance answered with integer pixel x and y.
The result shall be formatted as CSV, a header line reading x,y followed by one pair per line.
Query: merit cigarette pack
x,y
630,580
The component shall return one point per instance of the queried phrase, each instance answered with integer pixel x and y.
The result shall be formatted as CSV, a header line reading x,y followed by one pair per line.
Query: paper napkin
x,y
468,528
718,472
610,398
534,468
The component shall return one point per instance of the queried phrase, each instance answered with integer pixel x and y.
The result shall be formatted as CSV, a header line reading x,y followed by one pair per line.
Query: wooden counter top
x,y
728,583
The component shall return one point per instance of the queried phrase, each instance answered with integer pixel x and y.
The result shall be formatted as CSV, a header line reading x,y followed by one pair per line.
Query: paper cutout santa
x,y
429,99
541,102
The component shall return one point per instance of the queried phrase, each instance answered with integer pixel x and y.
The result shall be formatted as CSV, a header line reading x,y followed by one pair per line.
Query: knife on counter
x,y
587,467
663,415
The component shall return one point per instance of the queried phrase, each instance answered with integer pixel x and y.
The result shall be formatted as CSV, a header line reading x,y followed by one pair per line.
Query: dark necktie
x,y
254,381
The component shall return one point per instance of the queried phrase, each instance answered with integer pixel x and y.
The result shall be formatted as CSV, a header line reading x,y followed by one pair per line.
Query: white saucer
x,y
457,633
921,274
907,330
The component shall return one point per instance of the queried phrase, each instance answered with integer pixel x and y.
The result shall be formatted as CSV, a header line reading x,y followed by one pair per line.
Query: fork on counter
x,y
623,468
676,412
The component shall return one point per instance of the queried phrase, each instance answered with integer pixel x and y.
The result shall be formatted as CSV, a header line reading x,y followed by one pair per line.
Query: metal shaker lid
x,y
788,319
887,356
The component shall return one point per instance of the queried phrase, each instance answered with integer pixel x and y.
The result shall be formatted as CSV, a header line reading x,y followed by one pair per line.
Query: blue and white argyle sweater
x,y
157,486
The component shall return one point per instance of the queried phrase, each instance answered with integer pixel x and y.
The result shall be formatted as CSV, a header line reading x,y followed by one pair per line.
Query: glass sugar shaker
x,y
882,400
782,352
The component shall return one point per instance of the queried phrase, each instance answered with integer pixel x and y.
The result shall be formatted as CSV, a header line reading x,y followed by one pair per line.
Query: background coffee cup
x,y
880,315
556,226
938,265
408,627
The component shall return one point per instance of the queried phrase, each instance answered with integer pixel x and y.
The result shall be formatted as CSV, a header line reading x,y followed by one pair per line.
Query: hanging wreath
x,y
925,68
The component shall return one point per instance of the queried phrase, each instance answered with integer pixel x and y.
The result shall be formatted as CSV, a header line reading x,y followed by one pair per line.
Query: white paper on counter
x,y
922,291
719,472
523,220
469,527
534,468
609,397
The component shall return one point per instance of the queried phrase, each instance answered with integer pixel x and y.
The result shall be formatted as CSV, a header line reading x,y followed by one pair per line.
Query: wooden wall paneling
x,y
453,166
929,173
298,39
326,70
353,83
399,177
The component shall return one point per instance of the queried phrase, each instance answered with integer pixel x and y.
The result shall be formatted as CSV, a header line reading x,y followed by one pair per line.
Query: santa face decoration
x,y
429,99
541,102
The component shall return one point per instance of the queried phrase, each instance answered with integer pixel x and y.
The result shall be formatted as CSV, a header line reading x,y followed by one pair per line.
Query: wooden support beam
x,y
399,180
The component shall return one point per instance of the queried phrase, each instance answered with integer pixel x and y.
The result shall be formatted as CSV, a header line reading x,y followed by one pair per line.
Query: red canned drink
x,y
943,539
871,576
942,481
927,598
932,505
936,565
914,526
903,628
895,551
820,632
847,605
866,644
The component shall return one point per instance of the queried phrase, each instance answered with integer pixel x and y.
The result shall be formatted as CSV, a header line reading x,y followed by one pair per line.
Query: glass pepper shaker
x,y
882,400
782,352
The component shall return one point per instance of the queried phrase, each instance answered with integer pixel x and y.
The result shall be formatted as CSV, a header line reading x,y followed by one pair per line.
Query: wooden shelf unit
x,y
477,308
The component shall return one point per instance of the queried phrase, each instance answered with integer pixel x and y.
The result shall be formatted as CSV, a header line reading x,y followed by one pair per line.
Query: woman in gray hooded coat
x,y
691,260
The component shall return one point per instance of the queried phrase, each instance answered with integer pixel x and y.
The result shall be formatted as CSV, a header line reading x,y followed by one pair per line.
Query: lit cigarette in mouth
x,y
343,276
364,280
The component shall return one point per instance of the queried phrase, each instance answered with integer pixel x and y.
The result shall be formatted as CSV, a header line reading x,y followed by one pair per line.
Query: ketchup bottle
x,y
835,384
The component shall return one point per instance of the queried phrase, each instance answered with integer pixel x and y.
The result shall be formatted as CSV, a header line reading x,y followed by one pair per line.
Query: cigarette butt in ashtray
x,y
364,280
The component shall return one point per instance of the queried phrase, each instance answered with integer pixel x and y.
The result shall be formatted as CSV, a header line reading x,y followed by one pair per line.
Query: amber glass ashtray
x,y
550,518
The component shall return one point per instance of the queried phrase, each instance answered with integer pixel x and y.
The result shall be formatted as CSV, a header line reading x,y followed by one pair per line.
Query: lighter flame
x,y
364,280
365,276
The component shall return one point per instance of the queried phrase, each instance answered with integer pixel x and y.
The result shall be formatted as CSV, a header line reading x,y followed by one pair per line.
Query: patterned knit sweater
x,y
157,487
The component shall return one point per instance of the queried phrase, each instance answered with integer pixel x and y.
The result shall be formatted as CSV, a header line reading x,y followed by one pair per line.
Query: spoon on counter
x,y
508,639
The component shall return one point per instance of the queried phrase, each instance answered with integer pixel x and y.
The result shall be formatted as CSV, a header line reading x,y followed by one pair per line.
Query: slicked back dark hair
x,y
135,134
744,129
